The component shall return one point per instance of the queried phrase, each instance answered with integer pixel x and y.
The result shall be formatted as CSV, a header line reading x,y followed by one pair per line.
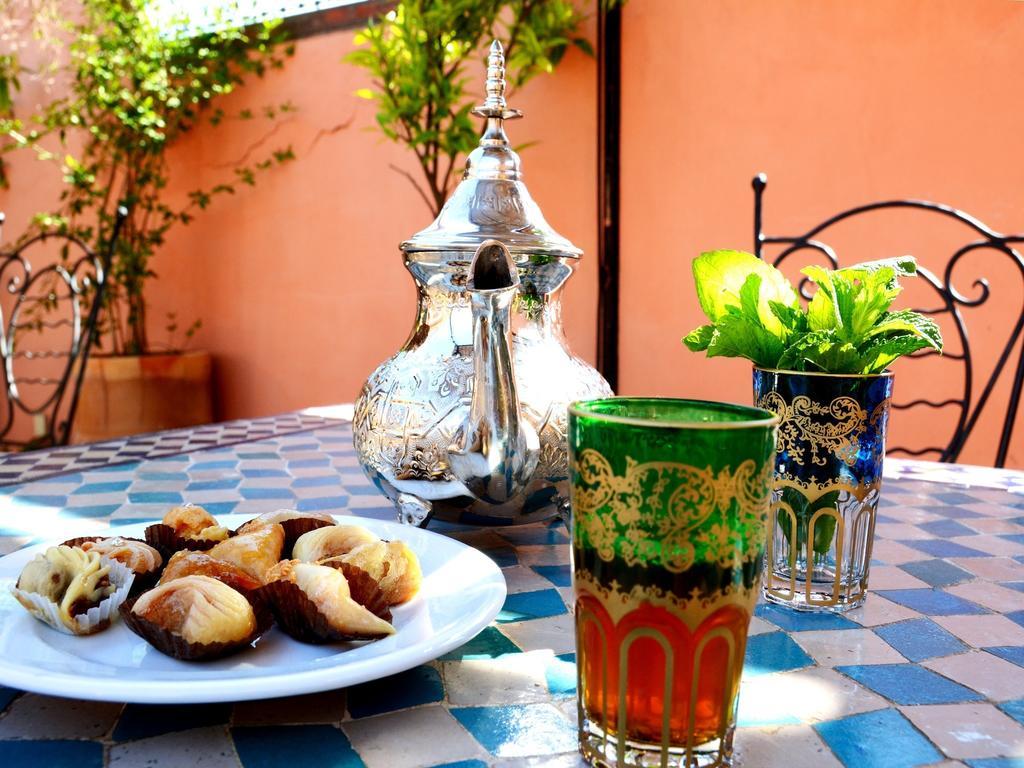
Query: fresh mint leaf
x,y
908,321
882,351
720,275
823,351
847,326
698,339
737,336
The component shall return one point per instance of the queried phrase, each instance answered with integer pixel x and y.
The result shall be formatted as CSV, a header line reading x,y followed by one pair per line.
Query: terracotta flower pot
x,y
134,394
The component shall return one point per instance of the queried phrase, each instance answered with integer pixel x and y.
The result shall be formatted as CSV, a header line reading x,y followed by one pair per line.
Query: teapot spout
x,y
495,452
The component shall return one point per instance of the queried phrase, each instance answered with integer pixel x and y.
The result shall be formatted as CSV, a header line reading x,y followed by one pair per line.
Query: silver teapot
x,y
467,421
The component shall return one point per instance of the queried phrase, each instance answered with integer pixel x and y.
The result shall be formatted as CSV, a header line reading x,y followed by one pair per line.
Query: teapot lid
x,y
491,202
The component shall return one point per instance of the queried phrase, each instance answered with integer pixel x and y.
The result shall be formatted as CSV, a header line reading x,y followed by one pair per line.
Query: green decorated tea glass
x,y
670,500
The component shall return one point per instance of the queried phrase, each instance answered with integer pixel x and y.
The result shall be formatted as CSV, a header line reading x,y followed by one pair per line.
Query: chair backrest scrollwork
x,y
48,319
950,302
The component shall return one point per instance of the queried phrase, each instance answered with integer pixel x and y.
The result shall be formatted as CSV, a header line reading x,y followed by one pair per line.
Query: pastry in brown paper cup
x,y
163,630
363,588
166,541
294,523
144,560
312,604
81,570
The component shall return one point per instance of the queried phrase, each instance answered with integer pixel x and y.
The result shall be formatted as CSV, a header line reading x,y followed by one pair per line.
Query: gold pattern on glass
x,y
834,428
661,513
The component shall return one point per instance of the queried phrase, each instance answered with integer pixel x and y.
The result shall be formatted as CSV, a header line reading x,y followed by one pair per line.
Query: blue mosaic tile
x,y
802,621
258,455
326,503
155,497
299,447
753,714
920,639
1012,653
489,644
504,730
41,500
256,473
773,652
1016,616
160,477
123,466
219,507
323,746
316,482
219,464
533,535
560,675
1017,585
464,764
942,548
947,529
1016,538
324,462
882,739
111,487
252,494
361,490
531,605
559,575
52,754
1014,709
937,573
219,484
140,721
503,557
954,498
932,602
379,513
7,695
91,510
909,684
419,685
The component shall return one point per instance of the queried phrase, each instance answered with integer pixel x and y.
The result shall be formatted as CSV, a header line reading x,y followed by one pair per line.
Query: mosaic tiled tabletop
x,y
929,672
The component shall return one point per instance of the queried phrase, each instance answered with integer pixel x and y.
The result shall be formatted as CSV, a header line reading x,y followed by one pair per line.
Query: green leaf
x,y
738,336
719,276
698,339
884,350
821,351
908,321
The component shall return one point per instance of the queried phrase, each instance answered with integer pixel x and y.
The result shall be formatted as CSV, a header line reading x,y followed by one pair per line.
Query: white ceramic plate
x,y
462,591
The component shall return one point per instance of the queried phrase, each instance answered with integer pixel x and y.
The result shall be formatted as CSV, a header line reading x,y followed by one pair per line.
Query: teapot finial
x,y
495,105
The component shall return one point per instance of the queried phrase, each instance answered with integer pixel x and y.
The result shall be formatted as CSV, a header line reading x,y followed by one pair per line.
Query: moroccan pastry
x,y
330,542
295,524
193,618
186,527
72,590
143,560
186,563
312,603
392,564
255,552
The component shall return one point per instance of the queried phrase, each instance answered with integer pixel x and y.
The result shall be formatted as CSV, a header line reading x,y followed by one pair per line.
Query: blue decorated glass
x,y
828,475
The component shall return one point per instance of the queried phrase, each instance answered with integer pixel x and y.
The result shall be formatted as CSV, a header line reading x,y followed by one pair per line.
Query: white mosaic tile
x,y
519,578
197,748
34,716
512,679
969,731
877,611
413,738
809,695
794,746
994,678
553,633
847,646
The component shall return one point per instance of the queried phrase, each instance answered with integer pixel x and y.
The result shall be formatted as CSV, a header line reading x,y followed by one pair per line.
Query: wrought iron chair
x,y
48,318
951,302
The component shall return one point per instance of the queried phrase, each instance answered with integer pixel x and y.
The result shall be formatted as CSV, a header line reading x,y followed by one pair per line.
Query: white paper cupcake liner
x,y
97,618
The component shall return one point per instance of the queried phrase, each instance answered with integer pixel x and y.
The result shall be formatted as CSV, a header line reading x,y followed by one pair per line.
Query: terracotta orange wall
x,y
301,287
840,103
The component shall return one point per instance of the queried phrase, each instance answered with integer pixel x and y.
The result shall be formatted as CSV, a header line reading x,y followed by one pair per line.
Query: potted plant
x,y
416,53
135,87
824,370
